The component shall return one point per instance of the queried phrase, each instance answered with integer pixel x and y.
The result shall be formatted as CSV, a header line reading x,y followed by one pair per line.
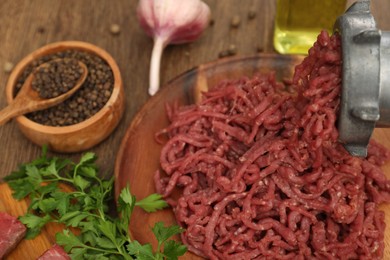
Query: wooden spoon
x,y
28,99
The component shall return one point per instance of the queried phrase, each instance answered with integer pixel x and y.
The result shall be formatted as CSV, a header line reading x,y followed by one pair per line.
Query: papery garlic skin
x,y
170,22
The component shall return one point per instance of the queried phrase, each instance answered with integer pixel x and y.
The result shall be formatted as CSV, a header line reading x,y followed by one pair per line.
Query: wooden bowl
x,y
83,135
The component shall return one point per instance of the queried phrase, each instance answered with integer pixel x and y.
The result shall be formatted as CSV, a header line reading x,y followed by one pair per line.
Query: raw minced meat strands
x,y
261,174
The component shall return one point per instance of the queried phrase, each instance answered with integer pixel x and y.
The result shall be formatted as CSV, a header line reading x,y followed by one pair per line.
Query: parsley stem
x,y
105,251
58,178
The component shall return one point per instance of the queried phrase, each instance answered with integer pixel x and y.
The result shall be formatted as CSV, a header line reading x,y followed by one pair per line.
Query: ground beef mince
x,y
261,174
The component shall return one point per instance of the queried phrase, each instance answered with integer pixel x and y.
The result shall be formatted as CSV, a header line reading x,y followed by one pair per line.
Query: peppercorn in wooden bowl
x,y
86,118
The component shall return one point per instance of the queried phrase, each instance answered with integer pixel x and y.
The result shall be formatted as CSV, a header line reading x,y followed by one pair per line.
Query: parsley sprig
x,y
85,208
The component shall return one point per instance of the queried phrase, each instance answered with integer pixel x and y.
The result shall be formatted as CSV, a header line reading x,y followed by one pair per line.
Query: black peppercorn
x,y
58,77
64,113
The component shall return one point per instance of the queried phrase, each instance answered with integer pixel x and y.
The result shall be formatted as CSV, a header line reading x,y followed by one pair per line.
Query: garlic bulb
x,y
170,22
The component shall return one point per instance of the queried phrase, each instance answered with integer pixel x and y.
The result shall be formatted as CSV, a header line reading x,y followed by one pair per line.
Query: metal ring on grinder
x,y
384,78
363,82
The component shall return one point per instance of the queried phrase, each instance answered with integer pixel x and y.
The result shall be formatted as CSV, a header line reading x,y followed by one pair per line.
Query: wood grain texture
x,y
27,25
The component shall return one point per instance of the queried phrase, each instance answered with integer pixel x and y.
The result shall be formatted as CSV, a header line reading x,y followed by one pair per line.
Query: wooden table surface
x,y
26,25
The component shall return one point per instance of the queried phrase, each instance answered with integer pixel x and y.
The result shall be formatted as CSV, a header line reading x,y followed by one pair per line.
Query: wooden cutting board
x,y
26,249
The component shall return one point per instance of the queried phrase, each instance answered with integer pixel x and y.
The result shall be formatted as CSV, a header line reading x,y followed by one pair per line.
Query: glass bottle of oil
x,y
298,23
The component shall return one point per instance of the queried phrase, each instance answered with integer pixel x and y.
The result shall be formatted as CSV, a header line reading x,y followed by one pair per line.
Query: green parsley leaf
x,y
33,174
47,205
78,253
126,203
163,233
21,188
87,157
108,229
152,203
63,201
80,182
32,221
126,197
50,170
105,243
88,171
34,224
69,215
86,206
143,252
68,240
173,249
75,221
49,188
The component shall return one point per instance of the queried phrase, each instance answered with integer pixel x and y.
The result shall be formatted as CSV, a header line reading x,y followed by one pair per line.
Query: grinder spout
x,y
365,94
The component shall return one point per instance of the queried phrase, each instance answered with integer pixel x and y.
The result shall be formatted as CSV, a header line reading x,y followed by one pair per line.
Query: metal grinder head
x,y
365,94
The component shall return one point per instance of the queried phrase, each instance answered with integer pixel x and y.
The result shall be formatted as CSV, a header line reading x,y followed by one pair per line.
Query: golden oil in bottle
x,y
298,23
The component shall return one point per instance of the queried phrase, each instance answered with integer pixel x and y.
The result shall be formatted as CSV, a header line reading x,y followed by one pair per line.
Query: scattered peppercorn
x,y
259,49
56,78
230,51
251,14
41,29
81,105
235,22
223,53
115,29
8,66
